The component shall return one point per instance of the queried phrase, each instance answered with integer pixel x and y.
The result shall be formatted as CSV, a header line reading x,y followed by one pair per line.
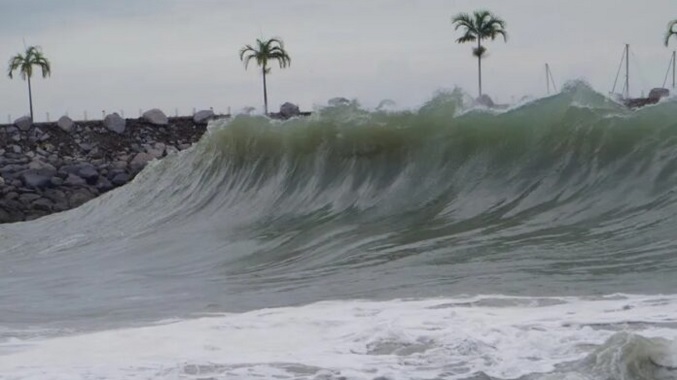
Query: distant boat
x,y
655,95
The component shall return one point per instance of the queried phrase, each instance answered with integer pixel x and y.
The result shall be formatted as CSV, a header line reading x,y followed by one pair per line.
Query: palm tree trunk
x,y
30,96
479,64
265,92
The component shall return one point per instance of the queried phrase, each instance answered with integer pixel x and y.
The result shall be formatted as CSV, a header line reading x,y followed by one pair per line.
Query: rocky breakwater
x,y
52,167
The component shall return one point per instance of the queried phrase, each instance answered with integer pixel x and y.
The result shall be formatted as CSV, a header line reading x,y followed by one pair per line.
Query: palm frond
x,y
14,63
24,63
670,32
482,24
266,50
462,20
467,37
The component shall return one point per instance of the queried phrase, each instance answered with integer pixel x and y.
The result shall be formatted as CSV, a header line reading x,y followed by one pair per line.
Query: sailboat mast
x,y
627,70
674,63
547,78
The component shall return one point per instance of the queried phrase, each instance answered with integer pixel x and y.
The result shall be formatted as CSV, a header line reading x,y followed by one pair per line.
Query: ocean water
x,y
539,242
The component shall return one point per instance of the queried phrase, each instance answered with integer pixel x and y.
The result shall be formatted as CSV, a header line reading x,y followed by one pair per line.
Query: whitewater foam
x,y
502,337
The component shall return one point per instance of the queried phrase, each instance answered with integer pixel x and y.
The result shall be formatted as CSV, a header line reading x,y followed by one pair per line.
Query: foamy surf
x,y
616,336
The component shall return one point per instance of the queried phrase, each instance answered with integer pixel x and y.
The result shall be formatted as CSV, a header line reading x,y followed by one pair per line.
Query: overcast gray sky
x,y
138,54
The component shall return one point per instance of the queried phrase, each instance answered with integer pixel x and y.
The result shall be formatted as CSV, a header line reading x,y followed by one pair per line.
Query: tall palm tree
x,y
671,31
24,64
263,52
480,26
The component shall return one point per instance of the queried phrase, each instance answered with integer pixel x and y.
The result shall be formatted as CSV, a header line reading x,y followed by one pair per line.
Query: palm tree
x,y
24,63
671,31
480,26
265,50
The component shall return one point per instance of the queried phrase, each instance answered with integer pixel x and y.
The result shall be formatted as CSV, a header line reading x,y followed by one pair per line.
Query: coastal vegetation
x,y
23,63
481,25
264,52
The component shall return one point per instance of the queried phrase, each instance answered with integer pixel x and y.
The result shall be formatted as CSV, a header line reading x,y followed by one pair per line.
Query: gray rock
x,y
288,110
65,123
86,146
79,197
24,123
155,117
113,122
140,161
103,185
2,181
74,180
38,178
42,204
15,148
38,165
120,179
202,117
88,172
27,198
56,181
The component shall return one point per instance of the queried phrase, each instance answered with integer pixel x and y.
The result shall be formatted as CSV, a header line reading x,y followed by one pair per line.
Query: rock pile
x,y
51,167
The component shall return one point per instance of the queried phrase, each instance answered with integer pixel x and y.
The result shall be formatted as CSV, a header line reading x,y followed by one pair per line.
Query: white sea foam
x,y
504,337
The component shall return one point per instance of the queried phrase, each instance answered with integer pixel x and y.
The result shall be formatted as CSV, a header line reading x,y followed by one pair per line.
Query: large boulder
x,y
288,110
24,123
155,117
202,117
115,123
65,123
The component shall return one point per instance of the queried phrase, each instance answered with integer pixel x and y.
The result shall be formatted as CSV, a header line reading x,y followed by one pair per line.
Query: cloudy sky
x,y
139,54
